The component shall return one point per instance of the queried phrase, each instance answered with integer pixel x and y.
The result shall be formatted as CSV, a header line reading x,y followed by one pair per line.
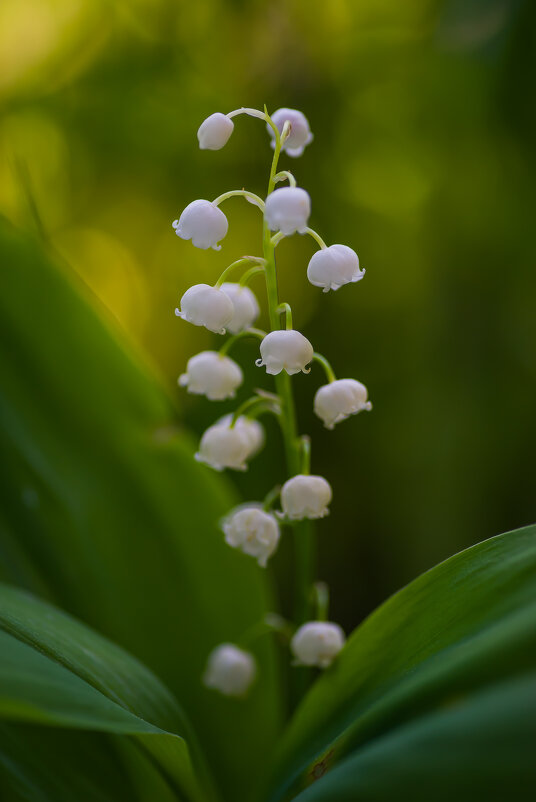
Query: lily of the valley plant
x,y
231,307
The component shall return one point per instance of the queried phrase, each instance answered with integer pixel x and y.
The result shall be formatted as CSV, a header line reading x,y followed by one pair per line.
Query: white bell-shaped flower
x,y
207,306
300,133
211,374
336,401
203,223
332,267
253,531
305,497
225,446
230,670
214,132
246,307
287,210
317,643
285,350
252,429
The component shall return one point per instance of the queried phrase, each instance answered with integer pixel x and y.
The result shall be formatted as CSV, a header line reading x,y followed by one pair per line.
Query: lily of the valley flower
x,y
300,134
285,350
207,306
225,446
253,531
213,375
336,401
230,670
287,209
317,643
214,132
305,496
202,222
246,307
332,267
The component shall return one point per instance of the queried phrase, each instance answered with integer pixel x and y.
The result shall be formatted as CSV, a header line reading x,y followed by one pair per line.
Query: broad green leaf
x,y
54,670
105,510
482,748
468,622
45,764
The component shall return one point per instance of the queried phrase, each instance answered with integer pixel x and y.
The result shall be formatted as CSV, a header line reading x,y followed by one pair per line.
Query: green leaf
x,y
45,764
106,512
480,749
56,671
469,622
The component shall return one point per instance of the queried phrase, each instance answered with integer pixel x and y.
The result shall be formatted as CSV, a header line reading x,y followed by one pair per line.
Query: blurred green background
x,y
423,161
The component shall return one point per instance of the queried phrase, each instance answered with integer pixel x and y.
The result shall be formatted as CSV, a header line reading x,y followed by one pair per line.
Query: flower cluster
x,y
229,443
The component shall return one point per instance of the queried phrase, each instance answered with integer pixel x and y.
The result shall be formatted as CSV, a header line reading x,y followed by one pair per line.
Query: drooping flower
x,y
336,401
287,210
300,133
285,350
203,223
317,643
305,496
211,374
246,307
214,132
230,670
332,267
253,531
225,446
207,306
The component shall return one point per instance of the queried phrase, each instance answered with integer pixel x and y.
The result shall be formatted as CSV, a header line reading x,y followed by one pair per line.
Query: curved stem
x,y
284,307
252,113
244,193
246,333
254,406
271,497
285,175
330,373
312,233
242,261
276,239
248,275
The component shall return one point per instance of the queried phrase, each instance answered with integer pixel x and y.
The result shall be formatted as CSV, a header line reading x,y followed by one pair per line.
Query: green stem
x,y
231,267
254,407
226,347
248,275
284,307
305,442
303,535
312,233
330,373
321,592
244,193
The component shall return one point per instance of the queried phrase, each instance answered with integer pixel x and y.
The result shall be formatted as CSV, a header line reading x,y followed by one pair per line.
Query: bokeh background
x,y
423,161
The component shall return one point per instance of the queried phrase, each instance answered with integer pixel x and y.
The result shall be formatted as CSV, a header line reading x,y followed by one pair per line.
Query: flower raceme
x,y
211,374
230,670
230,442
253,531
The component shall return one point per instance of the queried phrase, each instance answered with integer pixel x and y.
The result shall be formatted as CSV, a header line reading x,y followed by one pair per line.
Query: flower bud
x,y
207,306
332,267
317,643
253,531
246,308
203,223
223,446
287,210
300,133
211,374
230,670
336,401
305,497
285,350
214,132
